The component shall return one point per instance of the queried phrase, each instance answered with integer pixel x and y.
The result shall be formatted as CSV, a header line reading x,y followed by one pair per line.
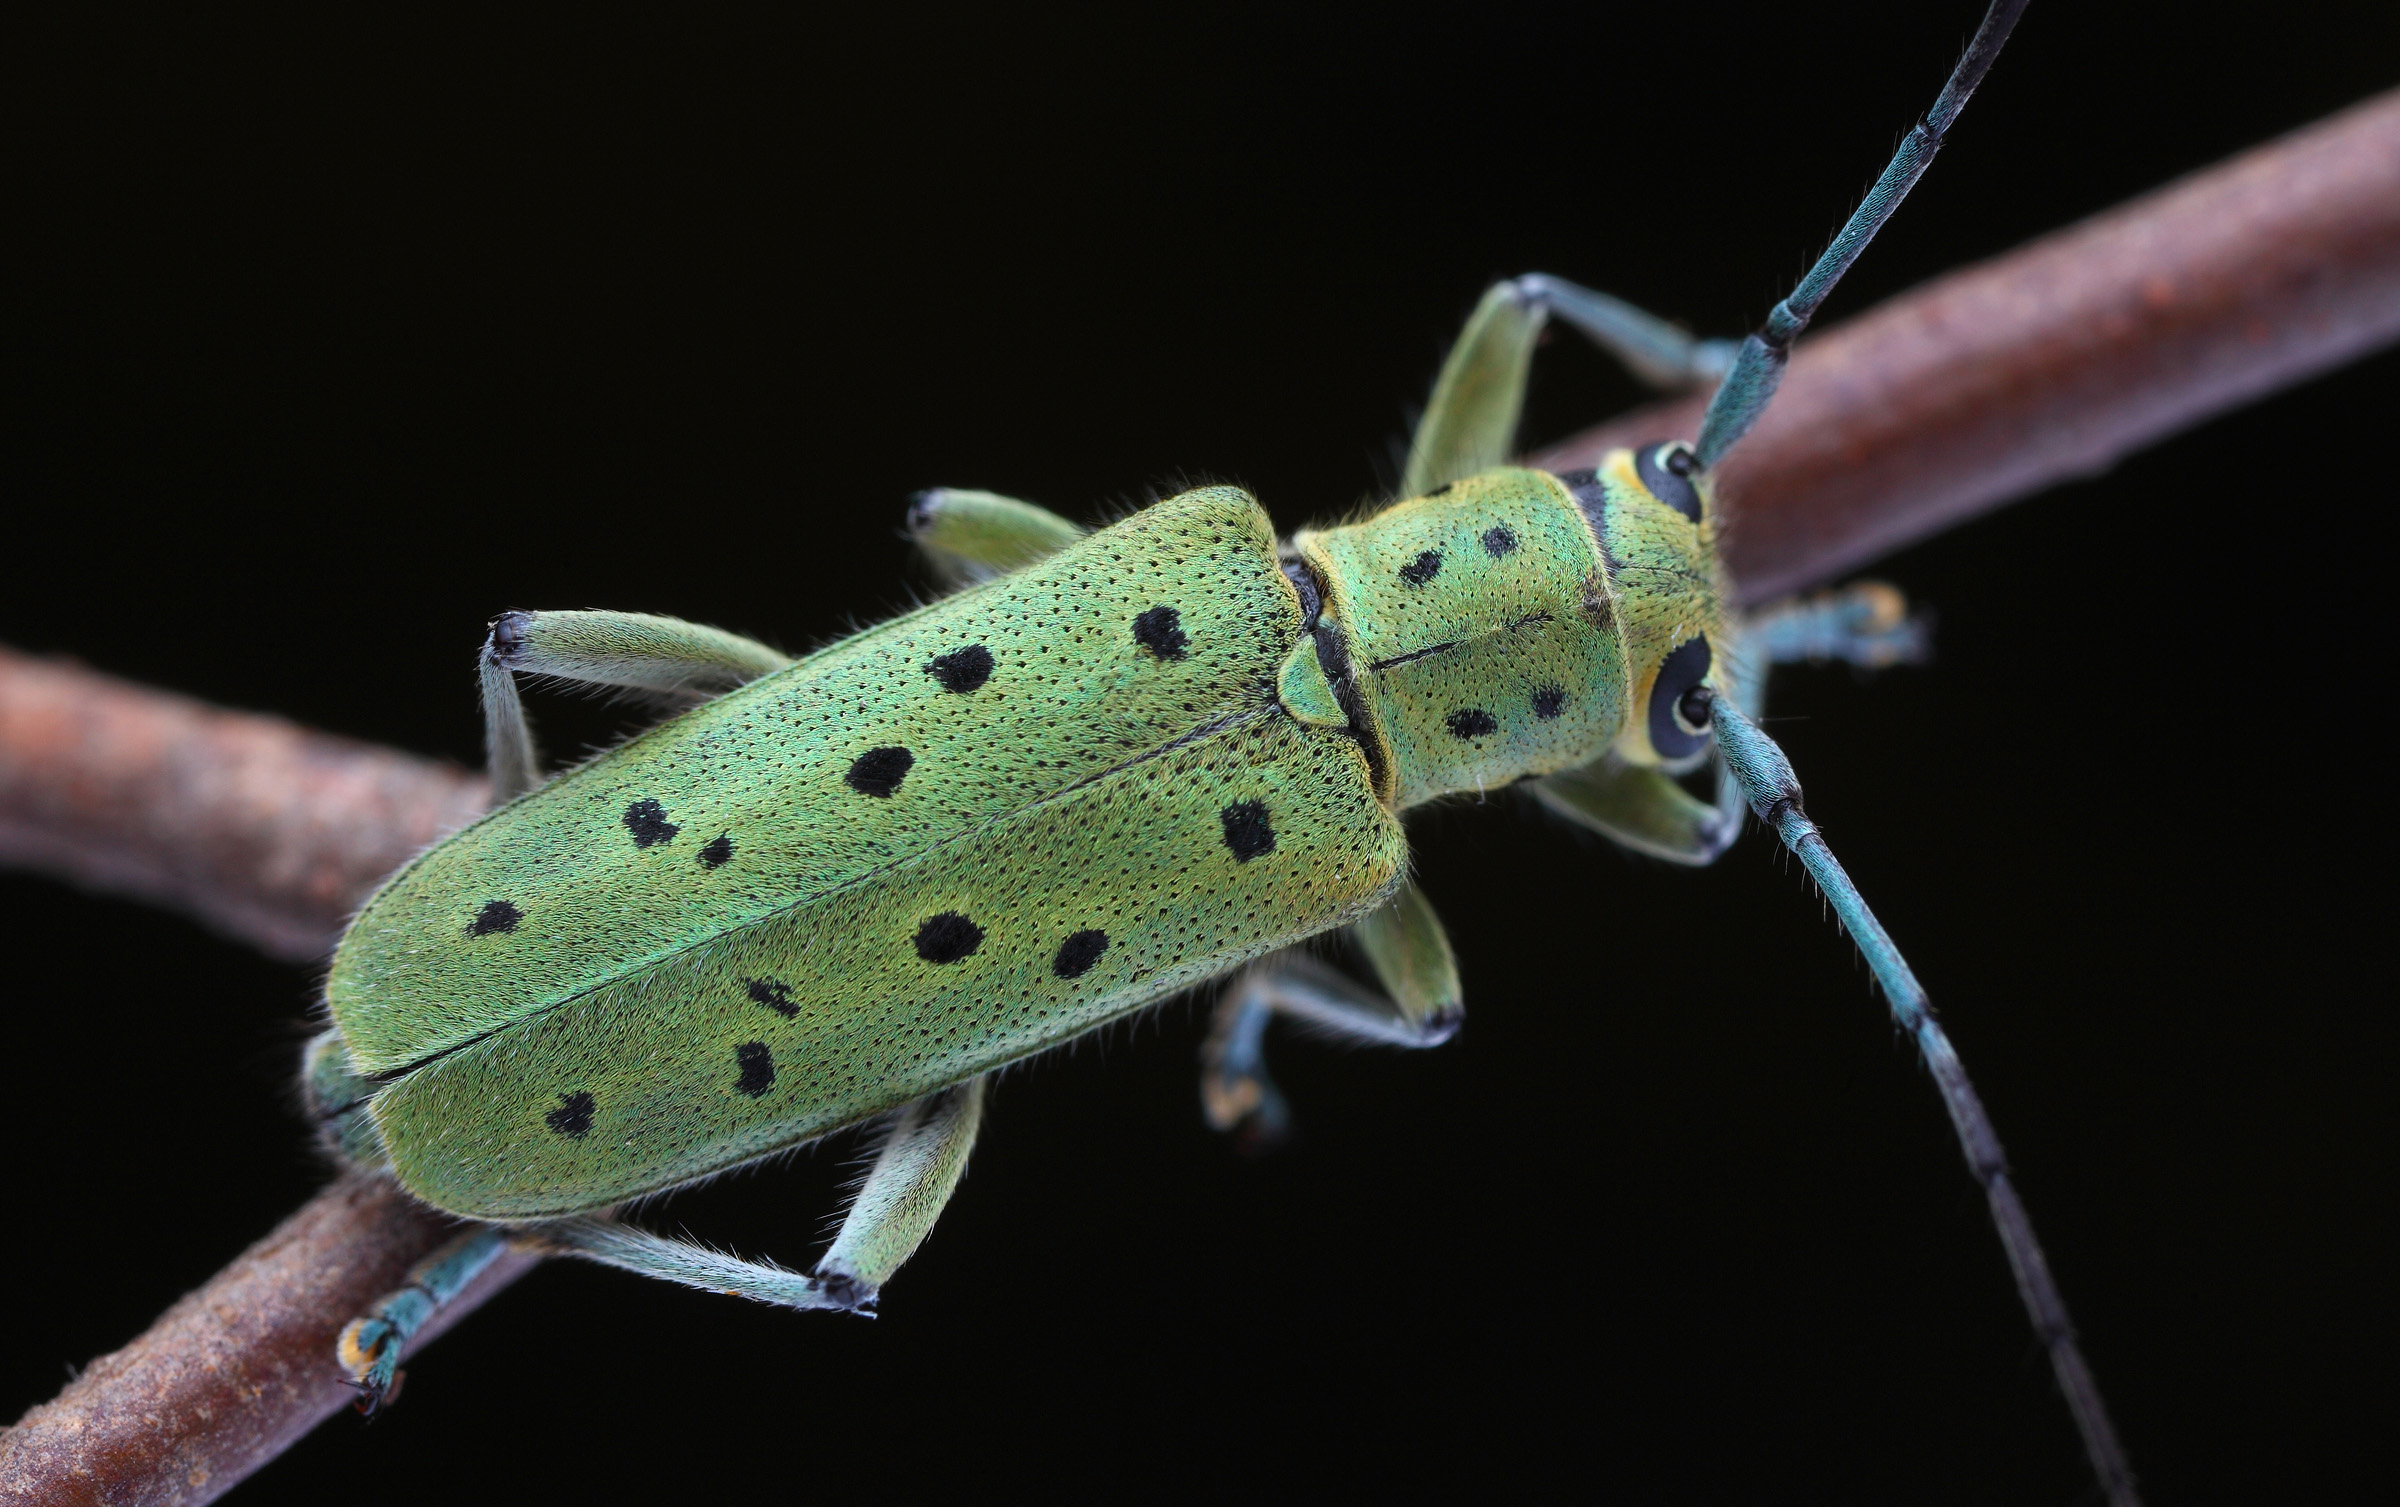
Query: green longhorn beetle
x,y
1115,766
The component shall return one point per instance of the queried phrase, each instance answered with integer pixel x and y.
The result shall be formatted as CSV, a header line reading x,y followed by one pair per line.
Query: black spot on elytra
x,y
496,915
962,670
947,937
1548,702
719,849
1498,542
757,1065
776,997
1160,630
1472,722
647,821
879,771
1078,953
1247,830
1424,568
573,1117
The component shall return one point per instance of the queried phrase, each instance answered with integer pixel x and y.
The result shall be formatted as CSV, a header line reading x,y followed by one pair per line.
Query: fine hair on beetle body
x,y
1112,766
715,412
1116,764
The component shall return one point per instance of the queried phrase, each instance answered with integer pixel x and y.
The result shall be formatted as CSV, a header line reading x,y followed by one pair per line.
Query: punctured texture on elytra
x,y
727,935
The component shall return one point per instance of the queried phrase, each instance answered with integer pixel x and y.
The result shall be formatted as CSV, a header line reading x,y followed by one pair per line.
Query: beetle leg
x,y
1645,810
914,1175
634,650
1662,355
509,756
904,1193
1866,624
973,536
1405,946
337,1101
1470,422
1410,953
370,1347
1236,1094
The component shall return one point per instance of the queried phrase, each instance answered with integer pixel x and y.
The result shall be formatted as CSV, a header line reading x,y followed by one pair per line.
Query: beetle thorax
x,y
1514,624
1477,627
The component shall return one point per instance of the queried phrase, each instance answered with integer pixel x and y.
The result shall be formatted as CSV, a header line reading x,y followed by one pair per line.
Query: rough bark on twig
x,y
264,830
235,1373
2047,363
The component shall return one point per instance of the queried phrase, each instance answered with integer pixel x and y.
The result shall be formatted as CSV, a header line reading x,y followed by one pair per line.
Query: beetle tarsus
x,y
370,1352
509,631
849,1293
1442,1024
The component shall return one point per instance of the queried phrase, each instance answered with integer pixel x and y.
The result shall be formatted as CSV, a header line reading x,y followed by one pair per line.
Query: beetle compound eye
x,y
1678,677
1691,709
1667,471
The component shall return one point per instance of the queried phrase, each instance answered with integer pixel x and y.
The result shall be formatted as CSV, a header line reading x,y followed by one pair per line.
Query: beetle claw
x,y
849,1293
375,1394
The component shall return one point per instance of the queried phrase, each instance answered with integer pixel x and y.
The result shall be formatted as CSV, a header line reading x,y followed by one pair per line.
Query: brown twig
x,y
235,1373
264,830
2047,363
2061,357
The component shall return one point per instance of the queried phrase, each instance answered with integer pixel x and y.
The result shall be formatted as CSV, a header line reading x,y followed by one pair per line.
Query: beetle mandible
x,y
1115,766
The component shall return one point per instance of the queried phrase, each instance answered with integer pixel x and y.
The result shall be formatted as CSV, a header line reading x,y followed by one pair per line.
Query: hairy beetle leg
x,y
634,650
1867,624
969,536
1236,1095
915,1172
1470,422
1644,810
371,1346
1410,954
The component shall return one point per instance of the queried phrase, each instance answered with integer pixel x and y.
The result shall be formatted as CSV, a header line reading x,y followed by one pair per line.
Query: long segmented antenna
x,y
1766,778
1758,369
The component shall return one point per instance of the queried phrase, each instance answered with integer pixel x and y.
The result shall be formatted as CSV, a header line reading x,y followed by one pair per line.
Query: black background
x,y
328,340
